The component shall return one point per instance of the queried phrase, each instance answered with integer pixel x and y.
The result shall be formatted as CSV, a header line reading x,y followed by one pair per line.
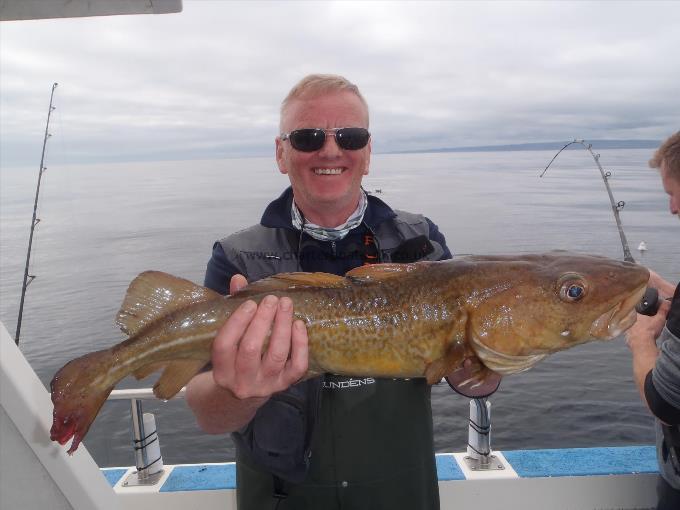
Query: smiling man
x,y
329,442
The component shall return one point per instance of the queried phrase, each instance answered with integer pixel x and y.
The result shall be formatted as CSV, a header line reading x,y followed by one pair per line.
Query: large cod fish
x,y
385,320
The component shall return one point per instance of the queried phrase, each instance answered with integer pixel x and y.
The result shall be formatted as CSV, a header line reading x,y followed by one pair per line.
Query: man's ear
x,y
368,159
279,155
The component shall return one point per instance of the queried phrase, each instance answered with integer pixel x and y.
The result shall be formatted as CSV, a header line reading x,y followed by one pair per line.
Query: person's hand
x,y
240,362
647,329
237,282
655,279
474,380
665,288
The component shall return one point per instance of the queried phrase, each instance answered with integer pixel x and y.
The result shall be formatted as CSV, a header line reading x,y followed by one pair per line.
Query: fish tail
x,y
78,392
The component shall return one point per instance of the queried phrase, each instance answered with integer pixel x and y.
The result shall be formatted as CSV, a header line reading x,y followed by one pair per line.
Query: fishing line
x,y
650,301
616,206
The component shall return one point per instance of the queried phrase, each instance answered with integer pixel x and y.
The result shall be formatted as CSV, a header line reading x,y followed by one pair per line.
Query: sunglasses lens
x,y
307,140
352,138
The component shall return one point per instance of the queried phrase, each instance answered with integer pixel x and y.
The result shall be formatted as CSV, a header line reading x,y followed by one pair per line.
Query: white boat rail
x,y
140,394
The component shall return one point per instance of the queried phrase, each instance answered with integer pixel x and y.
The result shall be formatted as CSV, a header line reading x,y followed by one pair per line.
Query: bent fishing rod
x,y
28,278
649,304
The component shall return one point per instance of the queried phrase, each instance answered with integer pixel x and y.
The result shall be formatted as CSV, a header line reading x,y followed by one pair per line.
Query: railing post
x,y
148,459
138,435
479,456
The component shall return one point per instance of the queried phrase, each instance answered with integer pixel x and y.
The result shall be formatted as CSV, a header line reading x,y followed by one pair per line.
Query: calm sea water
x,y
103,224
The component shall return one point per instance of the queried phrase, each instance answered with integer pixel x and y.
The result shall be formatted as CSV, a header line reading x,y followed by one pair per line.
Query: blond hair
x,y
315,85
668,152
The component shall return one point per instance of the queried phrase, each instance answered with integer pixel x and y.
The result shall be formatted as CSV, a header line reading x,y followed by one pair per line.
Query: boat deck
x,y
571,478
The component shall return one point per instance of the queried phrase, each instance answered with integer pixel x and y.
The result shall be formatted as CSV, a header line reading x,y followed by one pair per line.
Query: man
x,y
657,370
334,441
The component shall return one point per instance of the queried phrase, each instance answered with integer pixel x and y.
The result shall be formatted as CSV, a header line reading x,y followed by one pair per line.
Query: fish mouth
x,y
617,320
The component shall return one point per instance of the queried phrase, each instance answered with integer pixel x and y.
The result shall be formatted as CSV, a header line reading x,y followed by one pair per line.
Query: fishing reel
x,y
650,302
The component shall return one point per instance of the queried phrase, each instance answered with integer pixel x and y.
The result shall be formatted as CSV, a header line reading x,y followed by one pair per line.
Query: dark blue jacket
x,y
371,438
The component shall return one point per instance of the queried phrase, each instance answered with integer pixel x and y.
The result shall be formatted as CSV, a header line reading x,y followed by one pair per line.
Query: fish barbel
x,y
385,320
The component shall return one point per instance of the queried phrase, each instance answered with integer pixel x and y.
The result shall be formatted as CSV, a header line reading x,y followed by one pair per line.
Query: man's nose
x,y
330,146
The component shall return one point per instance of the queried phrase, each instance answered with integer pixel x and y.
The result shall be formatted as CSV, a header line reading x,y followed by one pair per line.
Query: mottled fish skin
x,y
386,320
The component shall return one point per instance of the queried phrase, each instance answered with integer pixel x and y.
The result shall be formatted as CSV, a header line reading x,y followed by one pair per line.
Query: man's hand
x,y
665,288
647,329
237,282
474,380
641,340
242,364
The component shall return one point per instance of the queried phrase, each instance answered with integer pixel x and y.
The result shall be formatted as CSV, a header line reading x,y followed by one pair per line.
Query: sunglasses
x,y
312,139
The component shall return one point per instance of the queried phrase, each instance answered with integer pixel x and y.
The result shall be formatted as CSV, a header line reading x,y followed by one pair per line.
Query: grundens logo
x,y
348,383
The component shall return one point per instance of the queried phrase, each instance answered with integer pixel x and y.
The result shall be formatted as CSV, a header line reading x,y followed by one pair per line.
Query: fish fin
x,y
436,370
154,294
372,272
176,375
452,361
148,369
287,281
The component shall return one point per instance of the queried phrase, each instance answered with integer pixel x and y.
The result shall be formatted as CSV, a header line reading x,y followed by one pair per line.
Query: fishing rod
x,y
650,301
27,277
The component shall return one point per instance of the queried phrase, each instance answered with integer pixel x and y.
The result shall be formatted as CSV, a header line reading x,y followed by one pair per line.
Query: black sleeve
x,y
436,235
673,317
660,407
219,271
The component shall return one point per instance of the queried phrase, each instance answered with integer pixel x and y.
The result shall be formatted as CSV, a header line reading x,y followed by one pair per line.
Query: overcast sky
x,y
207,82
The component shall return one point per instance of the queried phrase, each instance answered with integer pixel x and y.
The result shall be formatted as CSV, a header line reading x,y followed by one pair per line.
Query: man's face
x,y
672,187
329,177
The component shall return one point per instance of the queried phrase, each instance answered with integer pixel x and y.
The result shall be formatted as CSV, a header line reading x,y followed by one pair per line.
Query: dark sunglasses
x,y
312,139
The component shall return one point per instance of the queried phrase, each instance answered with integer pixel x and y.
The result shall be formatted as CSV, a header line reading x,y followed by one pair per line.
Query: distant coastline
x,y
543,146
205,153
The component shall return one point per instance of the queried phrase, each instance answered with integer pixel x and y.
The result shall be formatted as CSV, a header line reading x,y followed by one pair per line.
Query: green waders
x,y
373,450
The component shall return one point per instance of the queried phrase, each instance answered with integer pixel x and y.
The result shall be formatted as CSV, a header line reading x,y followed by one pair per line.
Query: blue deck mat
x,y
527,464
113,475
201,478
583,461
221,476
448,469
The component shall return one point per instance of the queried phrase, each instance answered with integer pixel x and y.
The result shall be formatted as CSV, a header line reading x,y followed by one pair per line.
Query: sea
x,y
102,224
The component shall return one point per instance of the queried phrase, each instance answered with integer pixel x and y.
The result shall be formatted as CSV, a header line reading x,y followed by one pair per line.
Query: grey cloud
x,y
208,82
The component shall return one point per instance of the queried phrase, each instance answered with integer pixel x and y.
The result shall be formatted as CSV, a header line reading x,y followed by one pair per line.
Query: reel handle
x,y
649,304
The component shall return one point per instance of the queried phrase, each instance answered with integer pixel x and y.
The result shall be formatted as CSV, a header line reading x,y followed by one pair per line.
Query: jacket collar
x,y
277,213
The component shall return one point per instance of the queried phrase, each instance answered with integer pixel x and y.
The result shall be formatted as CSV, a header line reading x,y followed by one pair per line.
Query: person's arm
x,y
641,340
219,272
216,409
436,235
665,288
242,378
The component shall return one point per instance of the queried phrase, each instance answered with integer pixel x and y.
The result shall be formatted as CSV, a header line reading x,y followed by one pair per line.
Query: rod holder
x,y
148,458
479,455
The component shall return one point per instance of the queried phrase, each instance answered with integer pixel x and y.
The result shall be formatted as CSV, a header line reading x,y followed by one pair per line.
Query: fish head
x,y
535,305
77,397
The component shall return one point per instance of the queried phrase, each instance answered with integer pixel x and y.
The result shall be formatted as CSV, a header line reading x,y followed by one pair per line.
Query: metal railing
x,y
145,442
140,394
149,462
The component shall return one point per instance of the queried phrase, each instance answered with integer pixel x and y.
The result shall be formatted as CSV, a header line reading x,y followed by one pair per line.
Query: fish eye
x,y
575,291
572,288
